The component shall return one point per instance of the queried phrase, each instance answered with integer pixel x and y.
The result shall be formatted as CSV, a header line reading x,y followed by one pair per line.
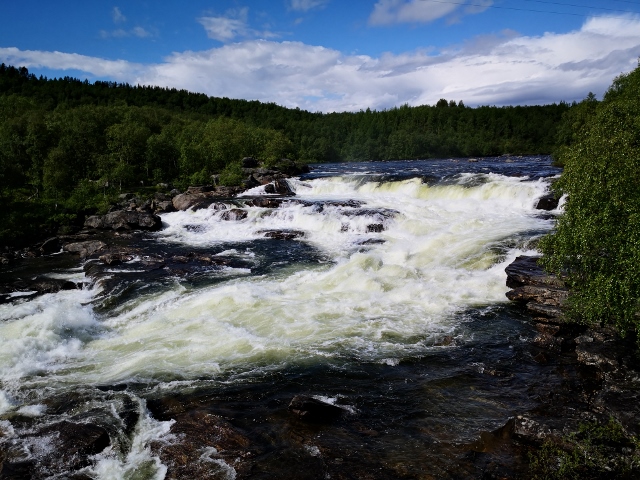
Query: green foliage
x,y
595,451
596,245
232,175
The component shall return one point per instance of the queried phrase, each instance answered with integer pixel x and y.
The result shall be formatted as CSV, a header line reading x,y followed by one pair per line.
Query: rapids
x,y
396,262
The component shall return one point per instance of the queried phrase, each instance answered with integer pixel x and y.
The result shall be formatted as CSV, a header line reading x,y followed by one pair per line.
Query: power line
x,y
581,6
515,8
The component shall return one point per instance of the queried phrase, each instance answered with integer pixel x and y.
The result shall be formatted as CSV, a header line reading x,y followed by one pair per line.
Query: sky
x,y
333,55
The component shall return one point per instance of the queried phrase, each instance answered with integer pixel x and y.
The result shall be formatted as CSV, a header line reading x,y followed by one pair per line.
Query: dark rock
x,y
282,234
75,442
52,245
282,187
375,228
524,270
85,249
265,202
542,293
314,410
164,206
270,188
548,202
234,214
125,220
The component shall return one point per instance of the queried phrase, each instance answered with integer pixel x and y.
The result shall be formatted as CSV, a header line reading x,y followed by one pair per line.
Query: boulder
x,y
282,234
313,410
84,249
125,220
234,214
548,202
52,245
281,187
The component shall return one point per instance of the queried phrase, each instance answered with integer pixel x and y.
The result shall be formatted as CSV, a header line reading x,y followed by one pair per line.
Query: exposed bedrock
x,y
543,294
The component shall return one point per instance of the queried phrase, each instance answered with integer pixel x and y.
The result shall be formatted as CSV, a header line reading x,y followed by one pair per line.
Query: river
x,y
386,298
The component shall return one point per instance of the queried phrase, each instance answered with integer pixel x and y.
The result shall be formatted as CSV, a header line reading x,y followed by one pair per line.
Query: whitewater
x,y
388,264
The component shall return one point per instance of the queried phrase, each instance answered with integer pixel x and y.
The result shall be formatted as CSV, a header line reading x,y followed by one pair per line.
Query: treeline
x,y
596,245
67,146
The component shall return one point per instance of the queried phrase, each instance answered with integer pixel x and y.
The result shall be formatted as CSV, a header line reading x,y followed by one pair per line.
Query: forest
x,y
67,146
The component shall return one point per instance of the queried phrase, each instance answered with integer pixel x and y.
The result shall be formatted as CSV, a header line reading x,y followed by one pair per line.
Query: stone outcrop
x,y
542,293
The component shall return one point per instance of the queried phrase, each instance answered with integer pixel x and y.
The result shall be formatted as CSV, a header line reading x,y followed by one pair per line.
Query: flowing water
x,y
390,302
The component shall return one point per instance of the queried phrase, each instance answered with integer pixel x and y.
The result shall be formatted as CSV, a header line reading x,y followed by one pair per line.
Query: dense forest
x,y
67,146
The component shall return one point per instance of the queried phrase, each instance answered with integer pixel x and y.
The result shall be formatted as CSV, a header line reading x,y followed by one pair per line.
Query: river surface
x,y
390,303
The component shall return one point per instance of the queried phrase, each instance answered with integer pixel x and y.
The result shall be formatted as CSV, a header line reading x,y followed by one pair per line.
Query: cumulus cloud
x,y
389,12
507,69
306,5
234,24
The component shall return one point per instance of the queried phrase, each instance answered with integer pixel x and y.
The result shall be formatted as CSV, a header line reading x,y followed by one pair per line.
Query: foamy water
x,y
381,294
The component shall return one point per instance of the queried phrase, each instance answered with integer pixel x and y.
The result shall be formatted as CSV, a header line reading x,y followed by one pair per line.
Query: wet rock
x,y
204,445
525,429
125,220
51,245
85,249
282,187
265,202
313,410
548,202
542,293
282,234
234,214
375,228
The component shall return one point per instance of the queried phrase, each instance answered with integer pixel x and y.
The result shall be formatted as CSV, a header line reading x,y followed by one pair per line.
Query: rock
x,y
524,429
282,234
314,410
524,270
234,214
186,201
282,188
265,202
164,206
85,249
270,189
543,294
375,228
52,245
548,202
125,220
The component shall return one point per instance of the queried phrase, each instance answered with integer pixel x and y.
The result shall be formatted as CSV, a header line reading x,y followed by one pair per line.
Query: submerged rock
x,y
313,410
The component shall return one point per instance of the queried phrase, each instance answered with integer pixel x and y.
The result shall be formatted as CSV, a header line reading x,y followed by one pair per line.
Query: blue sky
x,y
331,55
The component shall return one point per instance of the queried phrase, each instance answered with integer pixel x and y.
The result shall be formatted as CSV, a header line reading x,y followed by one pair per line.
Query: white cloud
x,y
389,12
306,5
117,16
502,70
234,24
